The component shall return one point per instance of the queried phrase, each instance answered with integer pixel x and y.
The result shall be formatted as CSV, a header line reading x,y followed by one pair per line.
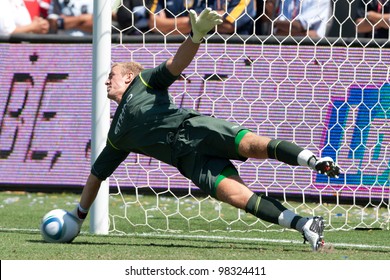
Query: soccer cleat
x,y
327,166
313,232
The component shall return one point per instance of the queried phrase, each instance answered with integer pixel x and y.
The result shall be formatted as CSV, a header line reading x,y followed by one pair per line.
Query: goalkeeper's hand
x,y
202,24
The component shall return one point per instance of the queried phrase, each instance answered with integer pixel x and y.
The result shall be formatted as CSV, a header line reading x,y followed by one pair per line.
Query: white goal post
x,y
100,106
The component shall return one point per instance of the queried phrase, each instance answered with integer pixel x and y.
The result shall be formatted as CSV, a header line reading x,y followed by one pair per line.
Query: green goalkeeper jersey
x,y
144,122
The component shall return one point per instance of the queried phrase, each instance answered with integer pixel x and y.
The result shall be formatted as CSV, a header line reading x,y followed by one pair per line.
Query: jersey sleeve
x,y
316,16
7,25
7,22
158,78
318,11
240,9
156,6
108,160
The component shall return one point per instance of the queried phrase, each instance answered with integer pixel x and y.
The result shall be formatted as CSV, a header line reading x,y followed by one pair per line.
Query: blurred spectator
x,y
302,17
132,16
15,18
172,16
264,15
71,17
37,8
373,18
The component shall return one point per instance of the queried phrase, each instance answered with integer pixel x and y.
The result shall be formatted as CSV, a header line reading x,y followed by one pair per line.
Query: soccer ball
x,y
58,226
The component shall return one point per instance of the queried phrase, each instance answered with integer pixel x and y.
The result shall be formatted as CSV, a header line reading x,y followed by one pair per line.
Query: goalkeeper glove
x,y
202,24
327,166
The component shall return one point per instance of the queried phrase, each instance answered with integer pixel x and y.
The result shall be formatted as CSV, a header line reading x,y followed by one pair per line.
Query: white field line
x,y
246,239
222,238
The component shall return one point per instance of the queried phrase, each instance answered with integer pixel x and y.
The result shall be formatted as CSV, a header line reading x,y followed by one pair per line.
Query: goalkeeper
x,y
201,147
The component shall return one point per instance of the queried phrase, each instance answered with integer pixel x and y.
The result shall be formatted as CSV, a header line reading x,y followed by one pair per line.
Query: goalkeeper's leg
x,y
233,191
254,146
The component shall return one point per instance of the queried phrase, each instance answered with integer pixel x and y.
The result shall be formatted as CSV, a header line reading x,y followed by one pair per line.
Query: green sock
x,y
290,153
265,208
271,210
284,151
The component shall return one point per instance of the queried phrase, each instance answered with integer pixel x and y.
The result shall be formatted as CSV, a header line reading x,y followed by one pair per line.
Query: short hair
x,y
128,67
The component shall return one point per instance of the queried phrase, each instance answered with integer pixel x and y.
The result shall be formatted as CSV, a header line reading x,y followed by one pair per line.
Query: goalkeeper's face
x,y
117,83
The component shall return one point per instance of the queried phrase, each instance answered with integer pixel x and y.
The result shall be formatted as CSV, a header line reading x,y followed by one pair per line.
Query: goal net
x,y
330,95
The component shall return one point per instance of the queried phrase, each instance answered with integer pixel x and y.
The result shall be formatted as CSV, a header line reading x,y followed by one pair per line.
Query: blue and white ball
x,y
58,226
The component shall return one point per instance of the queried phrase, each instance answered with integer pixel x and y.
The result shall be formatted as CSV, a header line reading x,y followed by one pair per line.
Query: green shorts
x,y
204,147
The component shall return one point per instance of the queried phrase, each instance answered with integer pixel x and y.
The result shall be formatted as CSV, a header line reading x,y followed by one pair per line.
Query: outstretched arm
x,y
90,191
108,160
200,26
183,57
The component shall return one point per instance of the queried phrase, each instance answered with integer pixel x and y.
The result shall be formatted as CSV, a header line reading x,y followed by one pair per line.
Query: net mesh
x,y
331,99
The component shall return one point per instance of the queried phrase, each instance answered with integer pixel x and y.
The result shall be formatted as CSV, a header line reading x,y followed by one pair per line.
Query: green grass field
x,y
21,240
